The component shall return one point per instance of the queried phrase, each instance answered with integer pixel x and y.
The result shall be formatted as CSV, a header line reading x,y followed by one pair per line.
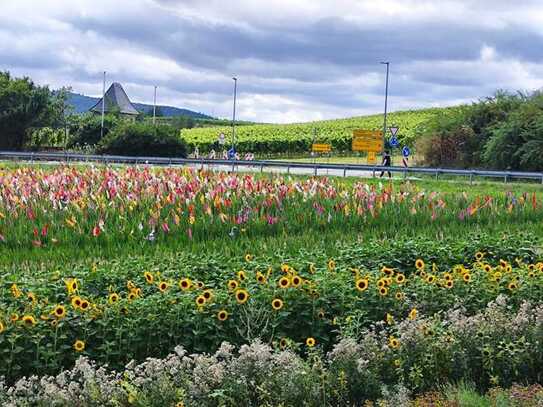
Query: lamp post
x,y
234,114
154,108
386,102
103,106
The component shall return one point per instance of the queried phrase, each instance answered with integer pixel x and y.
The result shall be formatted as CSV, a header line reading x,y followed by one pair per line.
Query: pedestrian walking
x,y
386,163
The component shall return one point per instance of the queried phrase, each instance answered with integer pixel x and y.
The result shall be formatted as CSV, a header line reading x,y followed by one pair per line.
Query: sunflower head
x,y
261,278
185,284
283,343
331,265
200,300
479,256
362,284
310,342
232,285
399,296
207,294
242,296
149,278
113,298
241,275
312,268
400,278
222,315
163,286
419,264
29,320
277,304
296,281
284,282
393,342
466,277
413,314
59,311
449,284
79,345
383,291
248,257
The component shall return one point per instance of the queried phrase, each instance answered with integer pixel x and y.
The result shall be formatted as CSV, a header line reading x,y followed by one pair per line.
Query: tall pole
x,y
234,114
154,108
386,102
103,105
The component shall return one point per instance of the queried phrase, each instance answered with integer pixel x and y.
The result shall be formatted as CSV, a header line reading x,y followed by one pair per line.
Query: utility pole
x,y
154,108
234,114
103,105
386,102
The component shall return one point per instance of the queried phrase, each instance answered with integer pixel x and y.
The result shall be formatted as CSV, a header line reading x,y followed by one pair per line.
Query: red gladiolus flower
x,y
96,231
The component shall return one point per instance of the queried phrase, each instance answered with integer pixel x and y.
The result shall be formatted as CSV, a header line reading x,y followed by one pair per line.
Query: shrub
x,y
140,139
86,130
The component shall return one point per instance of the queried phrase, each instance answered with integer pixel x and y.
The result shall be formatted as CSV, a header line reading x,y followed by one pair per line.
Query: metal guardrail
x,y
344,168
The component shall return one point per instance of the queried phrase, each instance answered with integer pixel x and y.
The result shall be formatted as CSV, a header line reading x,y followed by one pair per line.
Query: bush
x,y
140,139
86,130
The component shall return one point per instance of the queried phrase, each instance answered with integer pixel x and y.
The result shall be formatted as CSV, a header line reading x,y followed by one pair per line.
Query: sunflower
x,y
497,276
312,268
200,300
400,278
283,343
466,277
241,275
321,314
284,282
232,285
362,284
261,278
248,257
296,281
381,283
222,315
14,317
387,271
79,345
180,404
393,342
383,291
531,274
208,294
422,274
32,298
331,265
185,284
200,284
487,268
28,320
163,286
148,277
113,298
479,256
413,314
76,302
242,296
431,279
2,327
277,304
512,286
389,319
71,285
399,296
503,263
310,342
508,268
447,276
397,363
285,268
132,296
419,264
449,284
59,311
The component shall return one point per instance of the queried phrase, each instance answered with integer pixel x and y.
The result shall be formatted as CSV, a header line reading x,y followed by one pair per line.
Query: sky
x,y
295,60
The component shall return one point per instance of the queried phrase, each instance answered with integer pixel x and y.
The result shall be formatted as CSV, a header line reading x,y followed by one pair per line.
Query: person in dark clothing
x,y
386,163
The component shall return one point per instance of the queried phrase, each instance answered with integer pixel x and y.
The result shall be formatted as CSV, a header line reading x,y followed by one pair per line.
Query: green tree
x,y
24,106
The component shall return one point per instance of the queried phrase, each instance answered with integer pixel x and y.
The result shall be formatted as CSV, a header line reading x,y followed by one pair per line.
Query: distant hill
x,y
82,104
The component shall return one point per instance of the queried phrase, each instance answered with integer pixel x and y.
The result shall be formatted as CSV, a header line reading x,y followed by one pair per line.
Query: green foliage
x,y
297,138
47,137
140,139
85,130
23,106
501,132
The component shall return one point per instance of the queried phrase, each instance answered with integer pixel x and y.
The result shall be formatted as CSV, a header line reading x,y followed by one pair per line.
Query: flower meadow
x,y
164,286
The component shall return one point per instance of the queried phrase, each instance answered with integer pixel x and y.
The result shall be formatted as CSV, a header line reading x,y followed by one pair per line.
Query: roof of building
x,y
116,101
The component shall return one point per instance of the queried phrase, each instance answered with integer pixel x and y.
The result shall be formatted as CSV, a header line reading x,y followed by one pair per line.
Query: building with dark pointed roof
x,y
116,102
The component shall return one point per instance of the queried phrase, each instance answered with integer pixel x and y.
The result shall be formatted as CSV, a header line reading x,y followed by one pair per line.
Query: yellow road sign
x,y
372,158
367,140
321,148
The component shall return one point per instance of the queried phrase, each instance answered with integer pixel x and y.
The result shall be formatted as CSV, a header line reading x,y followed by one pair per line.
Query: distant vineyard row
x,y
276,138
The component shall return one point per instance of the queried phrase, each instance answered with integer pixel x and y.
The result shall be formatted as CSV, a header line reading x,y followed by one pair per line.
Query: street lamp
x,y
386,101
103,106
234,115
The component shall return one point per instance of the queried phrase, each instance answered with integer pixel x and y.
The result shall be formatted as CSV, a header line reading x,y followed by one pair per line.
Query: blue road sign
x,y
406,151
394,141
231,153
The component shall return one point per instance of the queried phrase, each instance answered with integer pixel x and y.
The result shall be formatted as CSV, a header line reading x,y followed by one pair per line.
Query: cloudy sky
x,y
296,60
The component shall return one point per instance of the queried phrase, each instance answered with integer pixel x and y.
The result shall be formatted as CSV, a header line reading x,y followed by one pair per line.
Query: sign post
x,y
367,140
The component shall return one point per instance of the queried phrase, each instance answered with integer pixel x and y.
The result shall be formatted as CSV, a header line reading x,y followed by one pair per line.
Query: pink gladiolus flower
x,y
165,227
96,231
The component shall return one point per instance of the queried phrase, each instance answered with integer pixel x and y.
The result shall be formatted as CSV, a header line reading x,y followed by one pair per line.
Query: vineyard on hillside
x,y
297,138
